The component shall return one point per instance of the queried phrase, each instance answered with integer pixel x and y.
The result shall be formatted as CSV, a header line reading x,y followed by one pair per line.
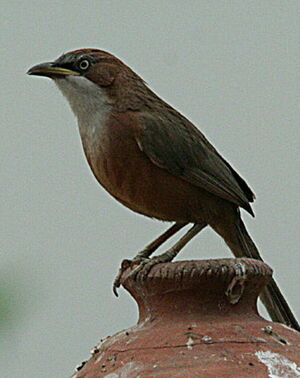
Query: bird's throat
x,y
90,105
84,97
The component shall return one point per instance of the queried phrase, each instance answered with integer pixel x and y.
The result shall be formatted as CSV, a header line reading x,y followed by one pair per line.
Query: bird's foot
x,y
140,268
117,282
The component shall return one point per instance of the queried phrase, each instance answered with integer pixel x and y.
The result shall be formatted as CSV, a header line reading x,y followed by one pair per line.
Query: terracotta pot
x,y
198,319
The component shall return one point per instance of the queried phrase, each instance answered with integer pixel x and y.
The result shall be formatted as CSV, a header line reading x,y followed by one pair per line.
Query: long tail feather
x,y
242,245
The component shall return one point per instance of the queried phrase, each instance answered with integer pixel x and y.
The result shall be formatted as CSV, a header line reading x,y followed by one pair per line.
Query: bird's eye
x,y
84,64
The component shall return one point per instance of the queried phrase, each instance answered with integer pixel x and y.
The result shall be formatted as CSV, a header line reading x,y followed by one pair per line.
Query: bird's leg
x,y
150,248
147,251
143,268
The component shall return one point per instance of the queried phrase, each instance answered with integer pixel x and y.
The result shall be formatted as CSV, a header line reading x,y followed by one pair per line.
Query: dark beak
x,y
50,69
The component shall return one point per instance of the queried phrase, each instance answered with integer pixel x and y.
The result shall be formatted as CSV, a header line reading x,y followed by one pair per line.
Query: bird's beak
x,y
51,69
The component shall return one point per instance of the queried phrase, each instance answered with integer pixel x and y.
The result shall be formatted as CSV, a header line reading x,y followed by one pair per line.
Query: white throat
x,y
83,95
90,105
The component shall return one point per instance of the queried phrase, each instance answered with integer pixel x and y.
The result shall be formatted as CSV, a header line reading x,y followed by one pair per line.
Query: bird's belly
x,y
128,175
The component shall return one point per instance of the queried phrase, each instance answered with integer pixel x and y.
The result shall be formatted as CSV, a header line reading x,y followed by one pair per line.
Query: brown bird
x,y
155,161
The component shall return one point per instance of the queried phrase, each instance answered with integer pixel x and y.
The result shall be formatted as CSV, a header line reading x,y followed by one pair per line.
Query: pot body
x,y
198,319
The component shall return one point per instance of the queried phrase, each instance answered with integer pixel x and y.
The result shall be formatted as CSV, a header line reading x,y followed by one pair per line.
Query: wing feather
x,y
175,144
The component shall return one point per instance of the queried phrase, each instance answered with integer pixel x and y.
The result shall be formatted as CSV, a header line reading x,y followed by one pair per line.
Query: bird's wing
x,y
175,144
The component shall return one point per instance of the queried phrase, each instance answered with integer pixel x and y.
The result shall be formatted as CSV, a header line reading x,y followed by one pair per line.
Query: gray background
x,y
232,67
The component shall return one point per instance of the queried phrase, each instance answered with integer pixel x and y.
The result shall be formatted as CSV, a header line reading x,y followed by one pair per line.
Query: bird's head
x,y
98,66
89,77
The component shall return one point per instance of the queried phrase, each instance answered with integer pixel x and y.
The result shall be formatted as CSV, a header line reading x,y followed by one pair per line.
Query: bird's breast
x,y
92,129
127,173
115,160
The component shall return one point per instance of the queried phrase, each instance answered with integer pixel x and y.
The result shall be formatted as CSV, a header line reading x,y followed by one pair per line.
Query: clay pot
x,y
198,319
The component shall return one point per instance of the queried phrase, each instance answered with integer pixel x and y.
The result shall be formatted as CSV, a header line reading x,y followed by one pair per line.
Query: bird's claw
x,y
117,282
140,269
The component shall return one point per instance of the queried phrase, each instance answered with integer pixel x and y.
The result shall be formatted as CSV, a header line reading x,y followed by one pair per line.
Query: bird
x,y
156,162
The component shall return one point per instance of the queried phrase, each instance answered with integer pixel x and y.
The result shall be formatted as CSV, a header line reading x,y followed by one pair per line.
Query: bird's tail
x,y
241,244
